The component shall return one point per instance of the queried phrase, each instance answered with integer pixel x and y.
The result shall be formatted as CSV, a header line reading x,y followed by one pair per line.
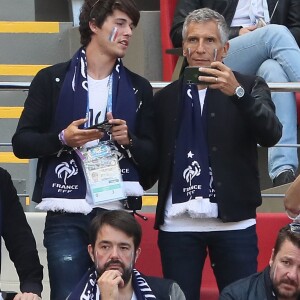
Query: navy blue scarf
x,y
65,178
192,175
87,287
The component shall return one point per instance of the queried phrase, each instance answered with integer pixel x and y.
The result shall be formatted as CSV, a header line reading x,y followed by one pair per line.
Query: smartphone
x,y
104,126
191,74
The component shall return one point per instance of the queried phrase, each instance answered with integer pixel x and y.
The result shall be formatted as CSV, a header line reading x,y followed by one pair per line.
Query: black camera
x,y
191,75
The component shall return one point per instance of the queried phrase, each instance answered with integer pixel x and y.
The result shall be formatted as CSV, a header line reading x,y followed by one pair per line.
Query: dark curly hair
x,y
99,10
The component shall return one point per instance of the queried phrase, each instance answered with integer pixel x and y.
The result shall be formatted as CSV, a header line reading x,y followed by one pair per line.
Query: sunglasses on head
x,y
295,227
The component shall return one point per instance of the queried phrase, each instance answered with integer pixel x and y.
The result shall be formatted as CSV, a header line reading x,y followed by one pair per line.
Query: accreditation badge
x,y
103,173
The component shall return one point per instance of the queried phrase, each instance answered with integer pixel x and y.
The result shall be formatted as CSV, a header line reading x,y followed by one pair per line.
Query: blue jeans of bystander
x,y
272,53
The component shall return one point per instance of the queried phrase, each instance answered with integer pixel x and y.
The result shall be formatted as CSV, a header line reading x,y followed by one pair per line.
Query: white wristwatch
x,y
239,92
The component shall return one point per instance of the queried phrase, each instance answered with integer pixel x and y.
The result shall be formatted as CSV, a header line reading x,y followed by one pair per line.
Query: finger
x,y
109,116
121,283
79,122
117,122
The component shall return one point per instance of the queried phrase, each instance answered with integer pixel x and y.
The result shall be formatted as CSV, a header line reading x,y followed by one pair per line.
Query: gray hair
x,y
203,15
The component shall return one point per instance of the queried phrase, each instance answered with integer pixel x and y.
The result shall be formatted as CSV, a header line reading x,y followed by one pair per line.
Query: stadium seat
x,y
267,228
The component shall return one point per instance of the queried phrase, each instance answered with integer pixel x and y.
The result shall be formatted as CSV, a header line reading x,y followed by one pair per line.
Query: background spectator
x,y
279,280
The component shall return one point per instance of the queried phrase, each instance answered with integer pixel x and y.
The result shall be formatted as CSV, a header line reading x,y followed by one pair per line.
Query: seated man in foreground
x,y
115,238
280,280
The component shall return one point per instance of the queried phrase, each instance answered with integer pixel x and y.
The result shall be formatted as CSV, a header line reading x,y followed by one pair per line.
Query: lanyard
x,y
109,96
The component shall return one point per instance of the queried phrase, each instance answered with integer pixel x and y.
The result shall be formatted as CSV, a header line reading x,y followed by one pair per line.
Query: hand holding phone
x,y
103,126
191,75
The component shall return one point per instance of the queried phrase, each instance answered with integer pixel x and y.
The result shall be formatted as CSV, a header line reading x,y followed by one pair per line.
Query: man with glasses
x,y
64,103
280,280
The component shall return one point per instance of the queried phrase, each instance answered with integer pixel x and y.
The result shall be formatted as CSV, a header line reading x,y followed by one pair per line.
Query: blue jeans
x,y
66,237
233,255
272,52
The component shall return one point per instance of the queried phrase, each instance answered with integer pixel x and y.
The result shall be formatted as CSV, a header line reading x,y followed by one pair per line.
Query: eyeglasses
x,y
295,227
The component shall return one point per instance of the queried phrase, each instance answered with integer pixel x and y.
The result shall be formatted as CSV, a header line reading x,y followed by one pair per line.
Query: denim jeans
x,y
272,52
233,255
66,237
282,158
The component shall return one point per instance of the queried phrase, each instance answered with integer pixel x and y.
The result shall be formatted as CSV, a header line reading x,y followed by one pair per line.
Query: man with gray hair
x,y
271,52
209,123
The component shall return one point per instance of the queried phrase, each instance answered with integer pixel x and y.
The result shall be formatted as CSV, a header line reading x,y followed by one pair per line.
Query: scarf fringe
x,y
196,208
67,205
133,188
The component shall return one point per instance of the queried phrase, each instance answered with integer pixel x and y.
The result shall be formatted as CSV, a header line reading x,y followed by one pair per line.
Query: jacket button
x,y
57,79
212,115
214,148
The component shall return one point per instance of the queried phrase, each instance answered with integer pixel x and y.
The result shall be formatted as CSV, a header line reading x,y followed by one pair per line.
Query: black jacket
x,y
285,13
234,130
18,238
34,138
255,287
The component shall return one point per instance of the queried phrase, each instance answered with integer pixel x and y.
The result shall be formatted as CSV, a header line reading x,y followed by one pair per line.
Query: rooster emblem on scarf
x,y
66,170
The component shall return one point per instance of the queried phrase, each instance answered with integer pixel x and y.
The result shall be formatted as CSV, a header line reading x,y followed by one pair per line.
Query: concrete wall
x,y
12,10
60,10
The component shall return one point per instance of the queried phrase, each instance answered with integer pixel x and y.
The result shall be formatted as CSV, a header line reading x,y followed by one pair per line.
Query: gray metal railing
x,y
274,86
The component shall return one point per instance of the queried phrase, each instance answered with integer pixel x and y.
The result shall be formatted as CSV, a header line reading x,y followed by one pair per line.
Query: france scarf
x,y
192,180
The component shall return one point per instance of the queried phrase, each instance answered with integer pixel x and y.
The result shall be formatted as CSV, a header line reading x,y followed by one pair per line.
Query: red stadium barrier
x,y
148,263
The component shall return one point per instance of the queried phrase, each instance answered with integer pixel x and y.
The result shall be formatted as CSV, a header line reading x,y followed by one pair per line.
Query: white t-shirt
x,y
98,95
248,11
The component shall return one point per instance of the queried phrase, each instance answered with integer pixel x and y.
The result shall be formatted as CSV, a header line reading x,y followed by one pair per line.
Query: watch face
x,y
239,91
